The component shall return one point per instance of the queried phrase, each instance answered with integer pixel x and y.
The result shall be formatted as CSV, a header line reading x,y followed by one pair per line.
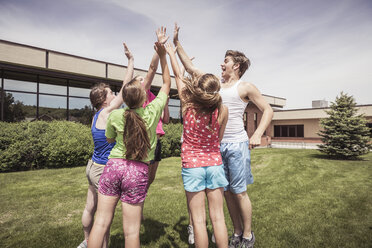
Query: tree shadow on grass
x,y
153,231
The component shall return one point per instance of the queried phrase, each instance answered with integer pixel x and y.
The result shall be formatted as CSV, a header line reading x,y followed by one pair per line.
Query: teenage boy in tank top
x,y
235,145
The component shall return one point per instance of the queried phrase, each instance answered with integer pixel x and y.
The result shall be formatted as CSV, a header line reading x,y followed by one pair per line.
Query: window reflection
x,y
52,107
11,84
174,112
80,110
79,88
52,85
19,106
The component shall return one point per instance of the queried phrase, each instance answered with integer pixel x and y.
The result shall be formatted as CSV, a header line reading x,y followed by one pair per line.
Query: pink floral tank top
x,y
200,145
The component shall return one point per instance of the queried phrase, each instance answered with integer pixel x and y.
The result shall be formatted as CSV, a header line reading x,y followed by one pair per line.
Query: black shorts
x,y
157,156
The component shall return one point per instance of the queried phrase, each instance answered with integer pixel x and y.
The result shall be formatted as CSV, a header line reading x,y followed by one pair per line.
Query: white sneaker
x,y
213,238
190,230
83,244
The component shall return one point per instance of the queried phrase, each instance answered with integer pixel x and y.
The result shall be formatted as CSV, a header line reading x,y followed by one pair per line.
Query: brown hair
x,y
135,137
201,93
98,95
239,58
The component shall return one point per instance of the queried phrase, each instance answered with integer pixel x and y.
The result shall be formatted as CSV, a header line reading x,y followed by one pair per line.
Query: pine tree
x,y
345,134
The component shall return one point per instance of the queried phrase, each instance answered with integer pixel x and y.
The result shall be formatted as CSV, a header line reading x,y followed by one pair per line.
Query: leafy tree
x,y
345,134
13,110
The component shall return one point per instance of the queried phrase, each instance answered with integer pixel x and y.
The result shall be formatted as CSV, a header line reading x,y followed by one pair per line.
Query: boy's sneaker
x,y
190,230
246,243
234,241
83,244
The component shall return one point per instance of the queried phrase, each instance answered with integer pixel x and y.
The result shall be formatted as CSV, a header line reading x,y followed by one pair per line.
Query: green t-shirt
x,y
150,114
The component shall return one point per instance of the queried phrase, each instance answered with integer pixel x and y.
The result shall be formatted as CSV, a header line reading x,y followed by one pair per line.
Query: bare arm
x,y
162,38
176,70
151,72
255,96
186,61
164,67
118,100
222,120
165,114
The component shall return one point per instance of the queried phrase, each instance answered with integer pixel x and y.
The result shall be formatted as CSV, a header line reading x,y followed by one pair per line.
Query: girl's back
x,y
200,145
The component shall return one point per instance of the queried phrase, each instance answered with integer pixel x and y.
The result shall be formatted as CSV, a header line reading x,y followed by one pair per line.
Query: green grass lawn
x,y
300,199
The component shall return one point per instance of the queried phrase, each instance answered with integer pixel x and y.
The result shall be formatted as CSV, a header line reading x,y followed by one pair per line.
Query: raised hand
x,y
127,52
160,49
169,48
175,33
161,34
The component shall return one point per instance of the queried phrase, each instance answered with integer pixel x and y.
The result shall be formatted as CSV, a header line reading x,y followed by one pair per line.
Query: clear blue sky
x,y
300,50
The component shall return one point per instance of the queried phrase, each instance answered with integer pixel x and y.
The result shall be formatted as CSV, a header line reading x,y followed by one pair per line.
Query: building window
x,y
370,129
19,101
80,110
288,130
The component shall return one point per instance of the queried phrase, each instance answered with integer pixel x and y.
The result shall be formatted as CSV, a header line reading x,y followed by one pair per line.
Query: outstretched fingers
x,y
161,33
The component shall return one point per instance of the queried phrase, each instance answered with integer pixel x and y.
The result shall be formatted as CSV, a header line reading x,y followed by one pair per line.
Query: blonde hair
x,y
201,93
135,136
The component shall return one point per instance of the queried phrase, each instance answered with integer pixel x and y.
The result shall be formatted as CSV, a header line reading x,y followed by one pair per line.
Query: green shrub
x,y
56,144
66,144
171,141
40,144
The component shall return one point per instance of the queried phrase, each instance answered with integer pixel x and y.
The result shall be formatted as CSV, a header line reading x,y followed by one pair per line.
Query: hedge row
x,y
56,144
40,144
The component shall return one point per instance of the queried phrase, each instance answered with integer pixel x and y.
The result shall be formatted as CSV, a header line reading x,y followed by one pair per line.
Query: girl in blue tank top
x,y
103,100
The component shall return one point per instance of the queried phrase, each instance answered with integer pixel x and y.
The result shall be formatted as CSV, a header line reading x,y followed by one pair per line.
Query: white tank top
x,y
234,131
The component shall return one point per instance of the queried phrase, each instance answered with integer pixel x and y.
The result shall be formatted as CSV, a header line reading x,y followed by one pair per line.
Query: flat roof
x,y
16,54
315,113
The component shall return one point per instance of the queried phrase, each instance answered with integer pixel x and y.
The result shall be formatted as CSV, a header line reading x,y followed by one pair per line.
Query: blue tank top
x,y
102,148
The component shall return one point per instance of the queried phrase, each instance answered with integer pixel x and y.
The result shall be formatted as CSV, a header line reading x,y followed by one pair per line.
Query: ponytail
x,y
135,137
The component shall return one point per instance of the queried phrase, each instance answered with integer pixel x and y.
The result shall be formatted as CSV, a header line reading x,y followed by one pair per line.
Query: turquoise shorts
x,y
236,158
201,178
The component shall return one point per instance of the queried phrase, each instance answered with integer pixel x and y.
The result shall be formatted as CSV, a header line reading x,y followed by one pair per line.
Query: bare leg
x,y
105,213
189,211
197,207
215,203
89,211
234,212
152,172
245,209
132,223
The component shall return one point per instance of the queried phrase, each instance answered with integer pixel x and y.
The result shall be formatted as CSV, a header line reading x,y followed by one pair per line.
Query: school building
x,y
45,84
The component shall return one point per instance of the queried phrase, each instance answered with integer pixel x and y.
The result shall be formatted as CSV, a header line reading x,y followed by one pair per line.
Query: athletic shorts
x,y
126,179
157,156
93,173
236,158
200,178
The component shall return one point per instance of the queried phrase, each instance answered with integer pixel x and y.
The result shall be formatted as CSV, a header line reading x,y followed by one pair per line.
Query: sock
x,y
249,237
237,235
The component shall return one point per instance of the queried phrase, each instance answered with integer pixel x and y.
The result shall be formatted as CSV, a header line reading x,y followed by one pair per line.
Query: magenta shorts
x,y
126,179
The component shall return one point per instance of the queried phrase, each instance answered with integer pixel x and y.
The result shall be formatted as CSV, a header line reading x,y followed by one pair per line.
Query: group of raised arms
x,y
215,150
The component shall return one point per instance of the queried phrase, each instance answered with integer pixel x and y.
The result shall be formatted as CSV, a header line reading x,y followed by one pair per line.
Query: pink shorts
x,y
126,179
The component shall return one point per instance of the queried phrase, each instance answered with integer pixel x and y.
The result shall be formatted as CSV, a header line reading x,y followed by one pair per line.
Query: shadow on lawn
x,y
153,231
